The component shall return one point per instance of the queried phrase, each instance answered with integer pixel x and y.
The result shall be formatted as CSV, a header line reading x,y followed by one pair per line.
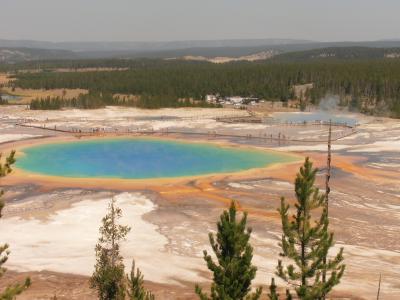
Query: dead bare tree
x,y
379,286
327,186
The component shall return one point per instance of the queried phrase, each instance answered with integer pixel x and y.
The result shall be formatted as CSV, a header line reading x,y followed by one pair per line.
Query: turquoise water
x,y
140,159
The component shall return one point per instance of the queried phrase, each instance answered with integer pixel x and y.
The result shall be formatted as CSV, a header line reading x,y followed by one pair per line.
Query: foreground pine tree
x,y
136,290
233,271
306,241
11,291
273,294
108,278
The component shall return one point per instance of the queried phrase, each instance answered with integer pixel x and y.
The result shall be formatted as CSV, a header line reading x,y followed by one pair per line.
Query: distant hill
x,y
263,55
318,45
208,53
14,55
132,50
138,47
207,50
340,53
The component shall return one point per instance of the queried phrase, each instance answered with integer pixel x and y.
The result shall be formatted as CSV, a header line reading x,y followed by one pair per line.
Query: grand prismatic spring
x,y
141,159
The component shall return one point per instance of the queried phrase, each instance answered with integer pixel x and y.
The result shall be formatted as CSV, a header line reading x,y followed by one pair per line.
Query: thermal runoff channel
x,y
141,158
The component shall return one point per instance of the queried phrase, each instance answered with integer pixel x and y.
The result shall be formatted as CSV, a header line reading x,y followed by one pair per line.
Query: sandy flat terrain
x,y
9,137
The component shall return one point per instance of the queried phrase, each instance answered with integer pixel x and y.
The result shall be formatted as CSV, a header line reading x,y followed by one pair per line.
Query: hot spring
x,y
317,116
140,158
9,97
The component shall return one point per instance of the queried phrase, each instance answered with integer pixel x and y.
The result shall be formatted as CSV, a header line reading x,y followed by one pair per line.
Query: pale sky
x,y
165,20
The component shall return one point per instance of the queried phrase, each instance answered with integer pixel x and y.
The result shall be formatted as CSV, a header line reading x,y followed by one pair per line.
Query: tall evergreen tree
x,y
273,294
136,289
233,271
306,241
108,278
13,290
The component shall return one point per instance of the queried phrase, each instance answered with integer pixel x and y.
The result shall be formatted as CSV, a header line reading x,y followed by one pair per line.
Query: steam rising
x,y
329,103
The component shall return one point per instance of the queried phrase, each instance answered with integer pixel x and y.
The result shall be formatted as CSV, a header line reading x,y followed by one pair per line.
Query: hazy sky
x,y
150,20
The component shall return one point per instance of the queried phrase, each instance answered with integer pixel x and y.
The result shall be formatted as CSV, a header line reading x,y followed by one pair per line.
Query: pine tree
x,y
306,240
5,168
273,294
108,277
233,271
13,290
136,290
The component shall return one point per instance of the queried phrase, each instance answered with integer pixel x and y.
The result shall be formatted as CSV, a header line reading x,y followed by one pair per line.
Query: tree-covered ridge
x,y
370,85
345,53
77,64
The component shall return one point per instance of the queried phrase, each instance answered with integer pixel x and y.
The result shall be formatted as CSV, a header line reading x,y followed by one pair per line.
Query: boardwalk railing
x,y
271,121
261,137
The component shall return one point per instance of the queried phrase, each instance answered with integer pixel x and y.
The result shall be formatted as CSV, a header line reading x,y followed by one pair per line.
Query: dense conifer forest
x,y
94,100
339,53
85,101
372,86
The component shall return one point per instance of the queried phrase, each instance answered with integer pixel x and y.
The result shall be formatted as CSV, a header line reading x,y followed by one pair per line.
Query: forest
x,y
371,86
339,53
94,100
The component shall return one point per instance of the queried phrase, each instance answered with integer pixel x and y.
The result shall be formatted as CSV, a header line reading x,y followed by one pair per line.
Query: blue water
x,y
140,158
10,97
314,116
